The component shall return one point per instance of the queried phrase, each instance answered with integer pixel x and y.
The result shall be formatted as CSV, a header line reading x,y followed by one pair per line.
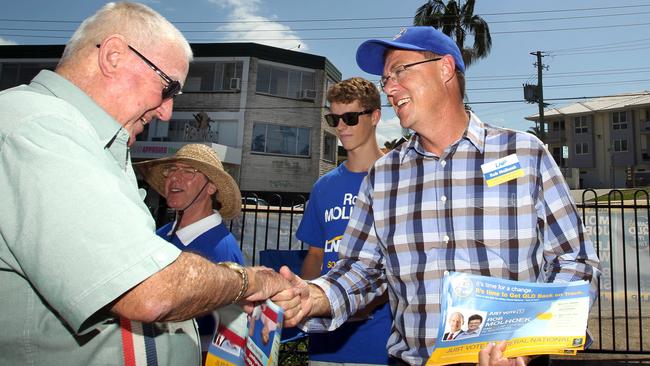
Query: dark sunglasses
x,y
173,87
349,118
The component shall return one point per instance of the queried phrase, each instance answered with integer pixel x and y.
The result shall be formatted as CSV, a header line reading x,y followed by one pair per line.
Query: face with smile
x,y
415,96
150,73
473,325
352,137
455,322
183,183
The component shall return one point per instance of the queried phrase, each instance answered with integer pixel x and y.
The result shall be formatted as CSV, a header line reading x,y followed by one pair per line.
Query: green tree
x,y
457,21
535,130
390,145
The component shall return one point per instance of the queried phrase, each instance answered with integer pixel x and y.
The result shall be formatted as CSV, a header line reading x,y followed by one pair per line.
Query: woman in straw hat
x,y
195,184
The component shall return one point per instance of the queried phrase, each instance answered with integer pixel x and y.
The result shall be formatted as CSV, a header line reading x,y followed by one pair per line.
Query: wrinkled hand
x,y
263,283
295,301
492,355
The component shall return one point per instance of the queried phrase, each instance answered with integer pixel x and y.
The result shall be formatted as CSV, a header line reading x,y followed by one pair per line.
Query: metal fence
x,y
617,223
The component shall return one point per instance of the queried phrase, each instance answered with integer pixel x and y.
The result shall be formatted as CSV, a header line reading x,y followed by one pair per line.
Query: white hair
x,y
139,24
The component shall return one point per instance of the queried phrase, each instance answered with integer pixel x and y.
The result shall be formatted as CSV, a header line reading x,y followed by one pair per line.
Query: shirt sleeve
x,y
569,253
229,250
310,229
74,221
358,277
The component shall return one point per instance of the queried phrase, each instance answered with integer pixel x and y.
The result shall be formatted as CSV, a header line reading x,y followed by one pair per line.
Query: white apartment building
x,y
259,107
602,142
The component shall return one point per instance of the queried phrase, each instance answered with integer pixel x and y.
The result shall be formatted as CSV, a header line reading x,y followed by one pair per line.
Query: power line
x,y
568,74
238,21
600,16
612,48
563,85
358,38
598,45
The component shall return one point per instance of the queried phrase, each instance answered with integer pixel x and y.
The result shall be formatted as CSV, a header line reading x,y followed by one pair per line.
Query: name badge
x,y
502,170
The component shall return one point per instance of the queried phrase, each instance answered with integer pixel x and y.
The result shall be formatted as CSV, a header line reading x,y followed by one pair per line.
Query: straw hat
x,y
204,159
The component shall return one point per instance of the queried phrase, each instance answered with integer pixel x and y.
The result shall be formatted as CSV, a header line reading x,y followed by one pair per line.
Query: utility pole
x,y
540,92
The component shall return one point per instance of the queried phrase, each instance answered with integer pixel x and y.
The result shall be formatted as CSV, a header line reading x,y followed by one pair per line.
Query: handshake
x,y
288,290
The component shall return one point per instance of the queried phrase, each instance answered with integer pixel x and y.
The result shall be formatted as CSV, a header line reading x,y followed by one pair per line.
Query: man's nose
x,y
164,110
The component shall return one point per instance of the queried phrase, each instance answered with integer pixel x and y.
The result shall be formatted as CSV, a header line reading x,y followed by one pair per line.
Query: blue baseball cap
x,y
370,55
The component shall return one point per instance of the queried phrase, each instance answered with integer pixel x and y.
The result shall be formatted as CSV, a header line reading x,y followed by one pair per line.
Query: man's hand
x,y
295,301
264,283
492,355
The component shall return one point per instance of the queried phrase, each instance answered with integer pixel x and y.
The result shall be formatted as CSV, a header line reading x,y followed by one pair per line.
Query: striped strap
x,y
138,343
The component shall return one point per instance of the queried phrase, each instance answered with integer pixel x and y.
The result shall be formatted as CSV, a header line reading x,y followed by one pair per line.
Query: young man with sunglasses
x,y
461,195
84,279
355,108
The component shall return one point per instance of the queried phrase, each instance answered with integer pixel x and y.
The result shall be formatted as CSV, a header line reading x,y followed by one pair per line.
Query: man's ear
x,y
212,189
112,53
376,116
448,67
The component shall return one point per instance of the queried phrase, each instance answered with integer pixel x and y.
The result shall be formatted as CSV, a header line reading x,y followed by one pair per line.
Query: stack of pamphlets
x,y
242,340
534,318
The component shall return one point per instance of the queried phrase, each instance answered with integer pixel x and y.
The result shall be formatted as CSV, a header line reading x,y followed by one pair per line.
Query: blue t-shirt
x,y
216,244
330,203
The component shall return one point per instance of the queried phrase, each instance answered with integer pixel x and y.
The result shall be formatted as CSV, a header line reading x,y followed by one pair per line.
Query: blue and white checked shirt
x,y
418,215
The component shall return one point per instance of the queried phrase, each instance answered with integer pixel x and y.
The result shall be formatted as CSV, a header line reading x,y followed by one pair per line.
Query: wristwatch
x,y
244,278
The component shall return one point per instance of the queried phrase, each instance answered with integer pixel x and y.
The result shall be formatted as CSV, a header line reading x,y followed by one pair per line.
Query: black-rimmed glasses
x,y
349,118
172,87
395,74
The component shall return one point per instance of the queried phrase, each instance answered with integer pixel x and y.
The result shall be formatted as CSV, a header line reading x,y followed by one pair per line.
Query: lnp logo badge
x,y
502,170
462,286
401,33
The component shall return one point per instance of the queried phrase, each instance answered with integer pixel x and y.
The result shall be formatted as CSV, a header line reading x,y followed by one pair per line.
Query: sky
x,y
591,48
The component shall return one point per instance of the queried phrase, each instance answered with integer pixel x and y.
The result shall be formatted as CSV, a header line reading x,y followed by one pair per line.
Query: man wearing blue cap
x,y
460,195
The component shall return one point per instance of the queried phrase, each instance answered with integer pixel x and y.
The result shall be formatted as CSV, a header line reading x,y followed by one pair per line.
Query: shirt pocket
x,y
490,222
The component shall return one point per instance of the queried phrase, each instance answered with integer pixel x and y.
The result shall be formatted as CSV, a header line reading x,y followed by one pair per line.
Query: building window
x,y
14,73
213,76
329,147
558,125
282,140
619,120
328,84
582,148
581,124
620,145
285,82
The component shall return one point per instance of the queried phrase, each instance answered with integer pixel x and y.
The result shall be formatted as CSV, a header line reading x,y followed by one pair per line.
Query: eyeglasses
x,y
186,173
349,118
396,74
173,87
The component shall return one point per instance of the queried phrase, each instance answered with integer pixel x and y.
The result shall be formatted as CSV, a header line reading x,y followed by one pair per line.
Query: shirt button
x,y
445,239
443,198
443,163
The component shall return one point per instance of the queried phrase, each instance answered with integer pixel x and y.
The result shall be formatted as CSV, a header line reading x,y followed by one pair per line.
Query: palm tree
x,y
457,21
390,145
536,130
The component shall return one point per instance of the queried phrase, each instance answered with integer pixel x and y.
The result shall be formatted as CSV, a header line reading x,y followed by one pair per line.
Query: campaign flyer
x,y
229,341
534,318
263,341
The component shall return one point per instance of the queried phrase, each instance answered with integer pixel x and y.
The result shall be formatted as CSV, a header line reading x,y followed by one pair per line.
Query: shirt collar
x,y
192,231
48,82
475,134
